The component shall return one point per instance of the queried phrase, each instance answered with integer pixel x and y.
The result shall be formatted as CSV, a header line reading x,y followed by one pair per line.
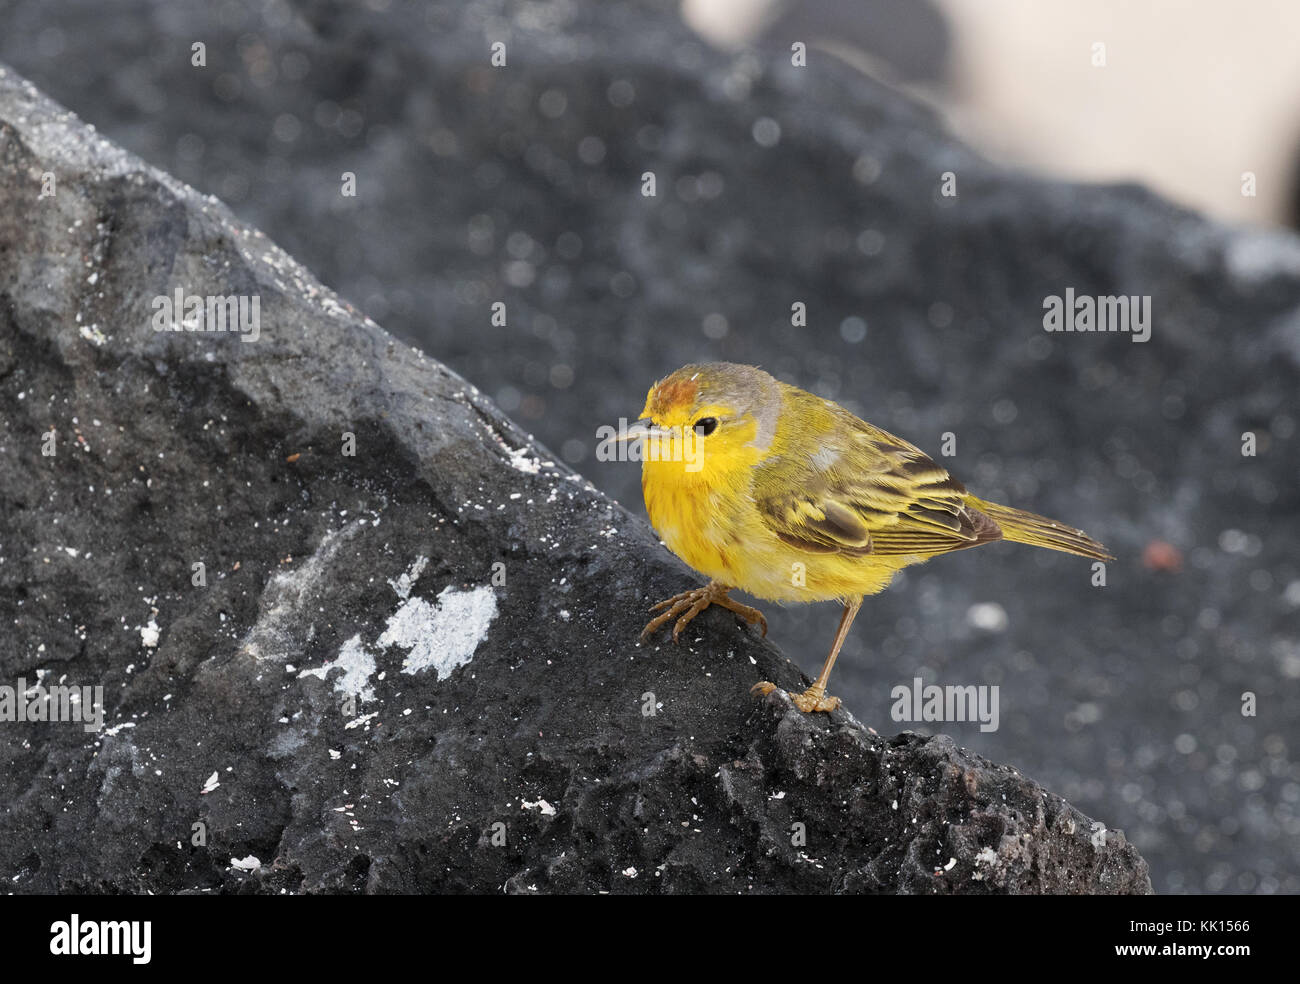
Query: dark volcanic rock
x,y
412,668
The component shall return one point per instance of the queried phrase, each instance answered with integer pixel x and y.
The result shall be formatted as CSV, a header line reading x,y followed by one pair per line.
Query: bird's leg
x,y
814,698
688,604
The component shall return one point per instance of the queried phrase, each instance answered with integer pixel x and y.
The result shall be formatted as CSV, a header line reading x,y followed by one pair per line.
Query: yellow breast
x,y
708,519
695,520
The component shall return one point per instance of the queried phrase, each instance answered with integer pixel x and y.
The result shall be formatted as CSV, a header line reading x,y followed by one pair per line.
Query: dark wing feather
x,y
866,491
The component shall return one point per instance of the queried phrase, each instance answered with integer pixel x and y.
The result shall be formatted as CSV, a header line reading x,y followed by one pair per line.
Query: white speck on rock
x,y
546,809
92,334
249,863
149,634
442,635
524,462
212,783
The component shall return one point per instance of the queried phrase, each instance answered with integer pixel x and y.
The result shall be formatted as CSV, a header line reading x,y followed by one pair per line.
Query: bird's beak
x,y
642,428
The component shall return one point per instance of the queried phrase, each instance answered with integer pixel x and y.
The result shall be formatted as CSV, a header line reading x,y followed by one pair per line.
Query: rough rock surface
x,y
350,703
522,185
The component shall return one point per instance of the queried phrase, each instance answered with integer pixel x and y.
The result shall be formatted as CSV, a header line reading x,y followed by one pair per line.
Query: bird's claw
x,y
812,700
688,604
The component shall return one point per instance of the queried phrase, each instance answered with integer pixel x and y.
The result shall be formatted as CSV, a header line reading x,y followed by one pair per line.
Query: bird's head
x,y
711,417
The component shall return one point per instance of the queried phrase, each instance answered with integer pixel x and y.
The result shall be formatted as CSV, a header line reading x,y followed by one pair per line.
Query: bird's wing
x,y
865,491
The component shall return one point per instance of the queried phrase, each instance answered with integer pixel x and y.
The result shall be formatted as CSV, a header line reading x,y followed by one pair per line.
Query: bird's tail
x,y
1019,526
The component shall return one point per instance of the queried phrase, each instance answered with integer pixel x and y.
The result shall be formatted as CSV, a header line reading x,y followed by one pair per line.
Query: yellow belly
x,y
720,533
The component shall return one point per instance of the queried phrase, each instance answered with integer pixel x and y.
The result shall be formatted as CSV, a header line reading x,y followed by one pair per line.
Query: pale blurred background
x,y
1192,94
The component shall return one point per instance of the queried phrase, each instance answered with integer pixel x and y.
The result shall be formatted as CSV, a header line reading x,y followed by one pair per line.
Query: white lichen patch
x,y
358,667
402,586
443,635
287,598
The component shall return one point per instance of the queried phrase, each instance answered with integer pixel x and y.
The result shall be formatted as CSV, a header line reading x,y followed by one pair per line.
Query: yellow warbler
x,y
764,487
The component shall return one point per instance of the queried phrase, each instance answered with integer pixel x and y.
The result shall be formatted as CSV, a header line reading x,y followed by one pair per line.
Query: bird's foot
x,y
688,604
811,700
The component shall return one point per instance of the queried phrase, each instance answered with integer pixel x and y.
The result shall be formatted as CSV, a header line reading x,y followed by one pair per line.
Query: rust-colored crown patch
x,y
674,393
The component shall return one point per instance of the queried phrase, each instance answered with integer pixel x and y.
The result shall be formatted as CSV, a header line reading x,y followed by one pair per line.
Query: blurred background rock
x,y
1189,96
820,185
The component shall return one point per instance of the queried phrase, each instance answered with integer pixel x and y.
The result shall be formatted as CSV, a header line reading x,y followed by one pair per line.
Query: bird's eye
x,y
706,426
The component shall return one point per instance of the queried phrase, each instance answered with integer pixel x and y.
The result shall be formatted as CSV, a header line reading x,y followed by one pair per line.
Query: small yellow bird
x,y
764,487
